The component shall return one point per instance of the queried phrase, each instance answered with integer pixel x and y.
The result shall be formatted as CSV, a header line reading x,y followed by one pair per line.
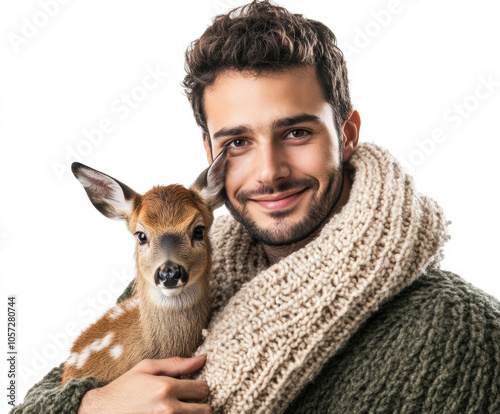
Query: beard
x,y
282,232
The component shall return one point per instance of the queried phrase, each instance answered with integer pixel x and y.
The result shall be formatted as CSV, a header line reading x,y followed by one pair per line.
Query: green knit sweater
x,y
432,348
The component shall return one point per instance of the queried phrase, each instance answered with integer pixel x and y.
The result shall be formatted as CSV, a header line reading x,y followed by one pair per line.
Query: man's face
x,y
284,168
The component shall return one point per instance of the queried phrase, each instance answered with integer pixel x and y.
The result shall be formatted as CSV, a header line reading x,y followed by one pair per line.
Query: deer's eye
x,y
141,237
198,233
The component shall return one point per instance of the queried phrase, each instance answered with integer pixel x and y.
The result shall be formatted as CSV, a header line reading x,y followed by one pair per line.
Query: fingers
x,y
179,395
193,408
191,390
172,367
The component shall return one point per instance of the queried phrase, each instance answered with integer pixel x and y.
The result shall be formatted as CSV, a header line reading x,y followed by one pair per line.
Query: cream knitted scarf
x,y
274,327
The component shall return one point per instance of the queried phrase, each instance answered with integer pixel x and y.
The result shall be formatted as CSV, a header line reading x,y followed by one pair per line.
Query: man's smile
x,y
278,201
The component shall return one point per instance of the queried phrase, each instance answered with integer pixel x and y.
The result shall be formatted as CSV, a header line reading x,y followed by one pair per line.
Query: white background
x,y
412,66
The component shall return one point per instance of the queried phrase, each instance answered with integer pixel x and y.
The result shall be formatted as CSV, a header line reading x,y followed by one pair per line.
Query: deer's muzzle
x,y
171,275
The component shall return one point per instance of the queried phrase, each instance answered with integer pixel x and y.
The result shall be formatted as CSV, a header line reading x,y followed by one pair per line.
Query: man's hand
x,y
149,387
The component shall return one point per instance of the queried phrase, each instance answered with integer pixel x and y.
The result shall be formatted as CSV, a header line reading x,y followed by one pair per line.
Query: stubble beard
x,y
283,233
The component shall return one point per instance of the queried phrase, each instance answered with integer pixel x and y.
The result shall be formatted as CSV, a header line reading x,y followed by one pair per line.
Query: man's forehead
x,y
239,99
250,75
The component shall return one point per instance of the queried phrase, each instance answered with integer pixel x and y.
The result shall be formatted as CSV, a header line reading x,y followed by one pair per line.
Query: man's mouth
x,y
278,201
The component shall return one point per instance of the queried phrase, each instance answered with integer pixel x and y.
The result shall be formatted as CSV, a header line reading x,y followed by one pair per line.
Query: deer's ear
x,y
210,183
111,197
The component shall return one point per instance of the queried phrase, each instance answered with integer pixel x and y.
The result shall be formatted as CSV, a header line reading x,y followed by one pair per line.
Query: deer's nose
x,y
170,275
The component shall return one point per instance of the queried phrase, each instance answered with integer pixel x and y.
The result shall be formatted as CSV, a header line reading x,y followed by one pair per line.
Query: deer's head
x,y
170,224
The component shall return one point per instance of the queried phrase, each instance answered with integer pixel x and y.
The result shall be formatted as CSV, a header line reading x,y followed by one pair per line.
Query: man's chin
x,y
283,237
280,230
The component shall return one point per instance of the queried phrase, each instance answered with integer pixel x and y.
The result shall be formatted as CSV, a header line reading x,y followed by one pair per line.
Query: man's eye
x,y
237,143
298,133
141,237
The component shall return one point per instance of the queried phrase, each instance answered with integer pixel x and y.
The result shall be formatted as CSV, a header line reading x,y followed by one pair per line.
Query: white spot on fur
x,y
82,358
95,346
186,297
115,312
116,351
131,304
72,359
119,309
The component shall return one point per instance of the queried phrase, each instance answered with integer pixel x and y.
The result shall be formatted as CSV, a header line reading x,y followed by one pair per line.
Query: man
x,y
327,295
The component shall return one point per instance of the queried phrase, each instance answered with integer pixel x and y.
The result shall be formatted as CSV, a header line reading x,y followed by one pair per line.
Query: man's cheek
x,y
236,177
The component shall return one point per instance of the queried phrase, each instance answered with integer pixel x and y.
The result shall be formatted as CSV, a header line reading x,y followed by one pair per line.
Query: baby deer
x,y
173,256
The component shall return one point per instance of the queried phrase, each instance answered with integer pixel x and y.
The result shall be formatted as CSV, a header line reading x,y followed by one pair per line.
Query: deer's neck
x,y
171,326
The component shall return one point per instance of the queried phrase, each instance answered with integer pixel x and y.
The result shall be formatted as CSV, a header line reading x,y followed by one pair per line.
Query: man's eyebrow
x,y
277,123
293,120
225,132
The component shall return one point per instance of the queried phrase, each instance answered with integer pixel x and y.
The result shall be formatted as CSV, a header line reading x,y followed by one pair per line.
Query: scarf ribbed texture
x,y
274,327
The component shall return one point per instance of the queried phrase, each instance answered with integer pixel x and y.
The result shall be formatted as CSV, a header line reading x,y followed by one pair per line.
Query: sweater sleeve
x,y
49,397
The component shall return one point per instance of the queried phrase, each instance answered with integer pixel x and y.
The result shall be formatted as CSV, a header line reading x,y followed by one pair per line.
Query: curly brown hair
x,y
262,36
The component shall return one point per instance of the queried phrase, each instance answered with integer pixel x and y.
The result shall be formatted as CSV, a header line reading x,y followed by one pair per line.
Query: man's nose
x,y
271,164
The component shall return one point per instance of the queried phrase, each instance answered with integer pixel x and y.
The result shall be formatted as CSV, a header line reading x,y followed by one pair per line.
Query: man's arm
x,y
49,396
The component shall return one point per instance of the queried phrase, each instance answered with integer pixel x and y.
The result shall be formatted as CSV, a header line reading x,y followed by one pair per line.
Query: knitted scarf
x,y
273,327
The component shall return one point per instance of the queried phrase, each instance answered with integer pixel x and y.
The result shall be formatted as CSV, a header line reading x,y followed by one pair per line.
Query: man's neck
x,y
276,253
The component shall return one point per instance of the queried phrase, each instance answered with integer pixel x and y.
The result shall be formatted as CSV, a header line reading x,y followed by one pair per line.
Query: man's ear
x,y
350,134
112,198
210,183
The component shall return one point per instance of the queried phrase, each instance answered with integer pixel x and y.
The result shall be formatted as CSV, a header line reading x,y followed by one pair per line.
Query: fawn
x,y
171,304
